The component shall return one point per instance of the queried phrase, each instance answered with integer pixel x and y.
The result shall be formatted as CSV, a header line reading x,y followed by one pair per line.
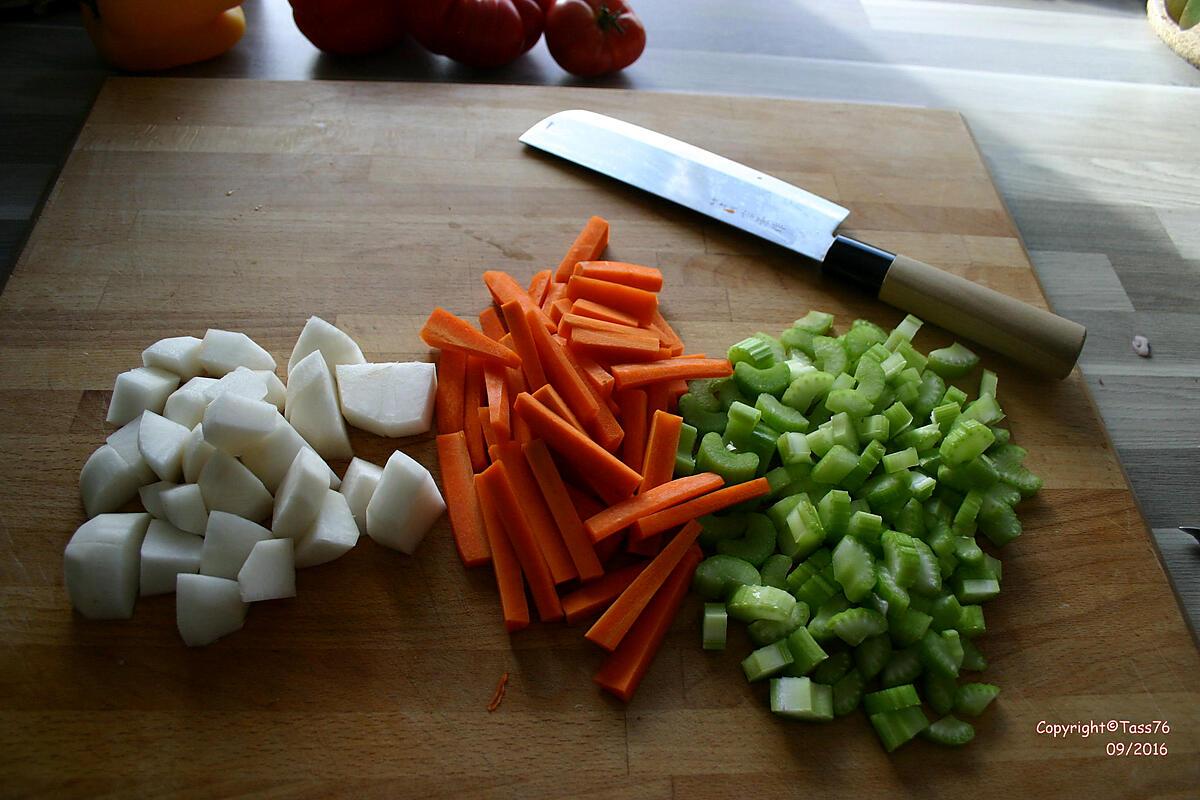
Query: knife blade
x,y
807,224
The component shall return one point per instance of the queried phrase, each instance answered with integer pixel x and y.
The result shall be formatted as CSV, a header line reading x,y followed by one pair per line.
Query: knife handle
x,y
1031,336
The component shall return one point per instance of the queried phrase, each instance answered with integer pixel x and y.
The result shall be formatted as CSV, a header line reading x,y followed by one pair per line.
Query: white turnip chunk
x,y
161,443
334,344
393,399
234,423
222,352
299,498
167,552
187,403
405,504
207,608
331,535
183,506
269,572
178,354
100,565
228,540
107,481
358,486
313,410
227,485
140,389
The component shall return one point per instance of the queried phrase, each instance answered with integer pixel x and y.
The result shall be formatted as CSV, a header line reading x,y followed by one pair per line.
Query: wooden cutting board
x,y
250,206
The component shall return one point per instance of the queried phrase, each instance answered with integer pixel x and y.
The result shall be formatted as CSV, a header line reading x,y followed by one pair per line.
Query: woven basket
x,y
1185,43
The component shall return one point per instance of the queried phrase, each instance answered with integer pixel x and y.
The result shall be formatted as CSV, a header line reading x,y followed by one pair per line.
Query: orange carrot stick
x,y
521,432
659,463
601,467
588,308
505,290
490,324
597,595
491,436
495,383
624,669
637,303
605,428
596,376
648,547
659,323
472,397
553,401
610,629
537,286
541,521
705,504
674,390
587,247
635,275
617,517
493,483
458,485
504,562
562,376
561,307
570,526
554,293
522,339
451,391
569,322
608,347
448,332
633,415
629,376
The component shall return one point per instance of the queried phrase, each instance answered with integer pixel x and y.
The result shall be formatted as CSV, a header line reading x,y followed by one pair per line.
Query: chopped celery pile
x,y
862,575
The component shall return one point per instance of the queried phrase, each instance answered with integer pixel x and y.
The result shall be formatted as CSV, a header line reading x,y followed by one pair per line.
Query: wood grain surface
x,y
252,205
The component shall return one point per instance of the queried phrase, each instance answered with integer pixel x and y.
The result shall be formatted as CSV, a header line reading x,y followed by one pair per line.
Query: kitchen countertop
x,y
1086,120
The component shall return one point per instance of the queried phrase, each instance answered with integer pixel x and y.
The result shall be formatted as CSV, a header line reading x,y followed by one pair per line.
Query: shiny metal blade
x,y
702,181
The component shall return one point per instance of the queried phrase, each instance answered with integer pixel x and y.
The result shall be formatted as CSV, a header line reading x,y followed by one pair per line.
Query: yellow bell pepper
x,y
140,35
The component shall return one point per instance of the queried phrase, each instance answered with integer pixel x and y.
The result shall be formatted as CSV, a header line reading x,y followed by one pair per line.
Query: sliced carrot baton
x,y
541,521
505,290
554,293
458,484
633,413
522,339
670,337
448,332
649,547
631,376
451,391
609,347
595,596
587,247
661,446
538,284
491,436
698,507
635,275
569,322
600,467
637,303
570,526
493,484
495,382
521,432
553,401
472,399
617,517
610,629
604,427
504,562
624,669
597,376
675,389
583,307
490,324
562,375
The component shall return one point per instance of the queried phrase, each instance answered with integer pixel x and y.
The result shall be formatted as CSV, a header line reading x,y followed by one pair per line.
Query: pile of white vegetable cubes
x,y
230,468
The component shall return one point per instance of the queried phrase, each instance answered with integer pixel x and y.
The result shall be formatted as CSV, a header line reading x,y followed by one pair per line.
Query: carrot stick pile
x,y
557,445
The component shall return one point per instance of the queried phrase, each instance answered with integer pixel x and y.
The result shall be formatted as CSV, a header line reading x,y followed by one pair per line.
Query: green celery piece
x,y
915,359
714,626
704,393
1001,493
779,482
753,381
868,460
850,401
966,550
819,625
843,381
954,361
887,494
815,322
798,340
920,485
834,513
900,460
749,603
929,574
891,699
877,353
807,388
971,622
938,691
767,661
999,524
854,625
776,566
972,698
776,414
901,557
753,350
835,465
985,410
895,728
908,375
946,565
801,698
922,438
1003,436
1022,480
903,667
922,604
830,355
904,331
938,536
945,415
685,462
866,527
717,577
954,395
964,518
802,531
701,419
761,442
973,659
848,692
819,414
832,669
1008,455
741,421
733,467
872,655
798,364
929,393
793,448
979,473
820,441
899,418
906,393
715,528
966,440
854,569
870,379
973,590
764,631
859,339
756,546
938,652
895,595
806,652
892,366
949,731
940,509
946,612
820,559
908,626
779,510
873,428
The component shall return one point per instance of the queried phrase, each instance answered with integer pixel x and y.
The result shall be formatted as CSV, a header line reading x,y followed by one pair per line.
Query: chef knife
x,y
807,224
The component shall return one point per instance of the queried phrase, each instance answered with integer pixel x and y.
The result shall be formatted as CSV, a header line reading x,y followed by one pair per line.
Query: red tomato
x,y
350,27
479,33
593,37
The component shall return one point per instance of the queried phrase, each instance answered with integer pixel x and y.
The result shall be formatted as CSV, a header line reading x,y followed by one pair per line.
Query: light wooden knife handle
x,y
1033,337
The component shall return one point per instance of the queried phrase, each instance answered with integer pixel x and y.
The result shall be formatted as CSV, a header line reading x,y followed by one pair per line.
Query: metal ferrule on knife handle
x,y
1028,335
